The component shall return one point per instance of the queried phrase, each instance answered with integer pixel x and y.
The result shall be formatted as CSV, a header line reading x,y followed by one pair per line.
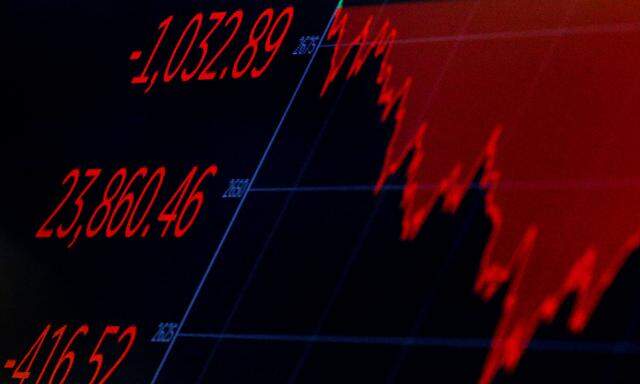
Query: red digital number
x,y
110,193
272,46
130,335
61,231
195,197
168,215
57,335
127,198
268,32
93,174
196,22
143,77
236,19
20,371
120,208
97,358
44,232
258,31
217,18
158,178
68,356
67,359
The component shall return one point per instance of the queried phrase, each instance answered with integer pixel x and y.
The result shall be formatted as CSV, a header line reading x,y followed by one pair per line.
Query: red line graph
x,y
526,91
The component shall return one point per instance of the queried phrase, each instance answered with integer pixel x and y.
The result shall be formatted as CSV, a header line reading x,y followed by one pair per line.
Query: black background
x,y
297,262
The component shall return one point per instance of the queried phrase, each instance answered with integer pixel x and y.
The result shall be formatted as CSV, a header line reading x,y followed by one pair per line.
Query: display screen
x,y
320,192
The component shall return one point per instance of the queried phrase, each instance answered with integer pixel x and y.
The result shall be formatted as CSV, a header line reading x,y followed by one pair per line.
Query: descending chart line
x,y
553,238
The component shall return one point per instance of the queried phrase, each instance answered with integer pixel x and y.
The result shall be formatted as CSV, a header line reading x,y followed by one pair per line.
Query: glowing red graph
x,y
543,97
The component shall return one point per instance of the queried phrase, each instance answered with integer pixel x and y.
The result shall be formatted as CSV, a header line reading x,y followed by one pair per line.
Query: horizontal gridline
x,y
506,35
616,348
510,185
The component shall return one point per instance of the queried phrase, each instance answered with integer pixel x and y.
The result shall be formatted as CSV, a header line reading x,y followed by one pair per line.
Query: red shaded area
x,y
543,95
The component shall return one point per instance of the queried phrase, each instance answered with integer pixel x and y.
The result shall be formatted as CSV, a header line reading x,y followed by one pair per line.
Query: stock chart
x,y
368,191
